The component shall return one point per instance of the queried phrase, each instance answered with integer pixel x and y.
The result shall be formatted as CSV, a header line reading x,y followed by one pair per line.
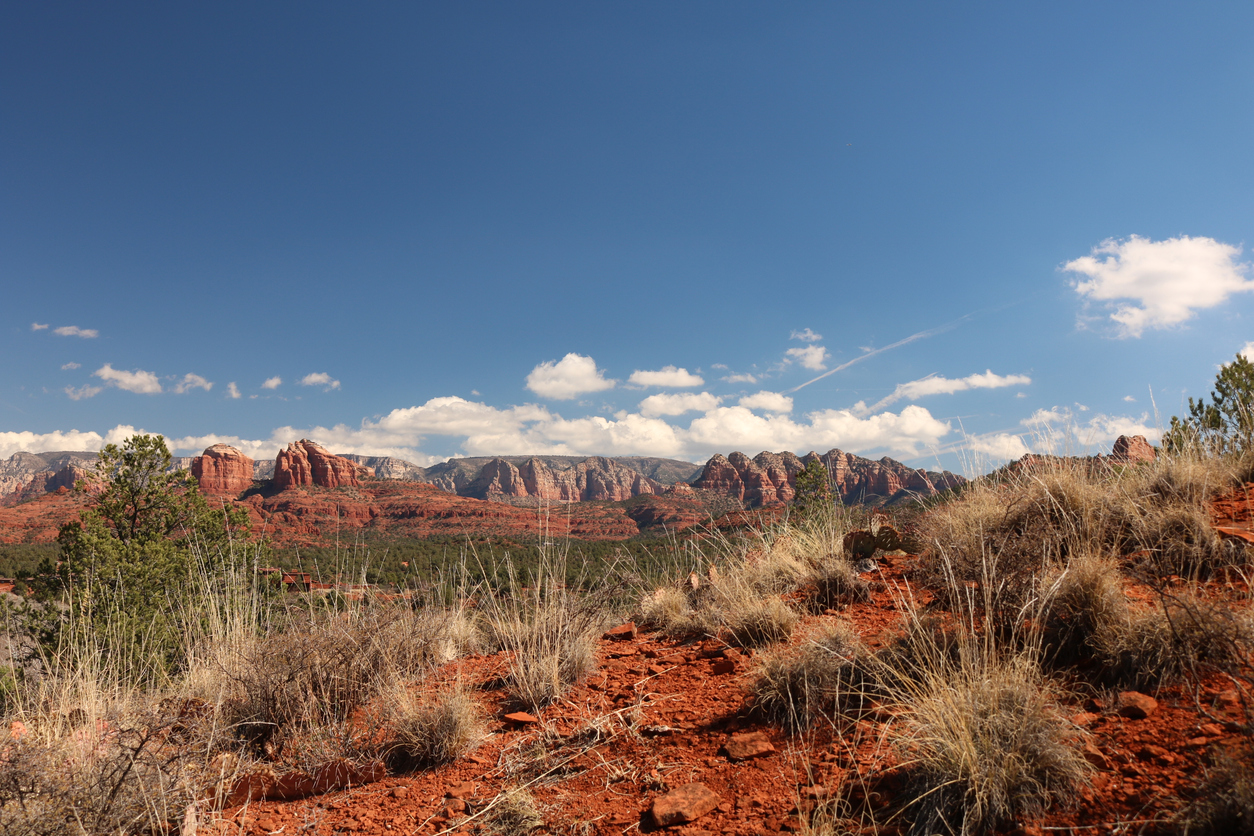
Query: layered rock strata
x,y
306,463
223,470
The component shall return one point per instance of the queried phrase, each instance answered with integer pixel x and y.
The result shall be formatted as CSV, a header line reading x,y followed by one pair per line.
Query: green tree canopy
x,y
813,489
1225,424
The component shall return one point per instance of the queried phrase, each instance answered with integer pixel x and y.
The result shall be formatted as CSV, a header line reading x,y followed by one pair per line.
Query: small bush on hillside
x,y
987,740
794,687
514,813
431,731
1224,804
1084,601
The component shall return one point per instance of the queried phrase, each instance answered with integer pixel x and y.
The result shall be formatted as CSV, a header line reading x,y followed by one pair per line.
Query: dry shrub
x,y
669,611
746,618
1186,636
1224,804
1181,541
835,583
549,631
514,813
433,730
986,738
1085,600
795,686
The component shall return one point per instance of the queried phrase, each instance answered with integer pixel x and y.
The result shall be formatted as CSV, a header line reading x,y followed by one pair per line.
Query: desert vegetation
x,y
961,671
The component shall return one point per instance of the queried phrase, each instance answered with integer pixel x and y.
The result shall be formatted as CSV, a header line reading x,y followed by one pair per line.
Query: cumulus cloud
x,y
31,442
1129,399
232,391
83,392
667,376
192,381
272,382
740,378
939,385
138,381
806,336
319,379
677,404
768,401
75,331
1157,284
1059,430
71,366
1247,351
1001,447
813,357
568,378
35,326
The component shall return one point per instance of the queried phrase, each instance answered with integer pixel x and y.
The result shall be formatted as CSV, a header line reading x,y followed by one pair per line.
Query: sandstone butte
x,y
222,469
304,463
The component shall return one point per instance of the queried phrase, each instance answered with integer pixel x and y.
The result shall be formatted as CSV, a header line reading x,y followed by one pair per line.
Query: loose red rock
x,y
741,747
1136,706
684,804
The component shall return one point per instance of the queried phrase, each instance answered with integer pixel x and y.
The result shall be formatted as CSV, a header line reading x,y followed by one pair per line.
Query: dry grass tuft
x,y
514,813
431,731
794,687
1224,803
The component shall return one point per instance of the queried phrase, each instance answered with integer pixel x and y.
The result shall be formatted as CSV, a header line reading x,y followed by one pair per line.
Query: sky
x,y
946,233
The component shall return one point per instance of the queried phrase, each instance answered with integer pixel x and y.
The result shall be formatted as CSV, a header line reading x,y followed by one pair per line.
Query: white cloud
x,y
1247,351
272,382
83,392
719,366
16,442
568,378
938,385
769,401
813,357
71,366
192,381
75,331
1129,399
1000,447
232,391
35,326
678,404
668,376
319,379
740,378
806,336
1162,283
1059,430
736,428
138,381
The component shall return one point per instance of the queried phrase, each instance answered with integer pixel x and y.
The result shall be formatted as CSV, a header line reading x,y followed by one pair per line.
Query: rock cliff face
x,y
597,479
386,467
304,463
1133,449
222,469
770,478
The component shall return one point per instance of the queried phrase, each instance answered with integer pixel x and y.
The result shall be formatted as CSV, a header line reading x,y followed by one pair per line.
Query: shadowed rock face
x,y
770,478
304,463
595,479
223,470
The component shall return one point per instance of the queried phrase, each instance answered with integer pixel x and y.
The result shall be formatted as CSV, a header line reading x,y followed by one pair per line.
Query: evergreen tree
x,y
1226,423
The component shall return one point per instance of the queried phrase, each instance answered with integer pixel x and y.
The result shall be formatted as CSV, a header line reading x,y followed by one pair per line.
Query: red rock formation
x,y
1134,449
306,463
222,469
597,479
770,478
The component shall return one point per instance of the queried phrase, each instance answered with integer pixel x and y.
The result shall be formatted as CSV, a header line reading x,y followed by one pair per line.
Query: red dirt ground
x,y
657,713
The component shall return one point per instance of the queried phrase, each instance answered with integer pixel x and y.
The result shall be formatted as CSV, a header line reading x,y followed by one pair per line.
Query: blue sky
x,y
469,228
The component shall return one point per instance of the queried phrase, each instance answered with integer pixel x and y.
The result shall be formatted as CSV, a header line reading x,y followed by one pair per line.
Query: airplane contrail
x,y
921,335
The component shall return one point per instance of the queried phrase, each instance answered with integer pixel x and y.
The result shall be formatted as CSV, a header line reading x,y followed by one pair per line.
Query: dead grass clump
x,y
1084,601
835,583
748,619
1224,803
549,631
1181,541
433,730
1185,637
988,742
670,611
514,813
794,687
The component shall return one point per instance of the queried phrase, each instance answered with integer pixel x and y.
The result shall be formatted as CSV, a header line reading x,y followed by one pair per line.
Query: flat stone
x,y
740,747
463,790
622,632
684,804
722,667
1136,706
521,717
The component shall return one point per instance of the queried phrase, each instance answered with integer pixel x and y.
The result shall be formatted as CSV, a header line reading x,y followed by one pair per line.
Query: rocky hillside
x,y
769,478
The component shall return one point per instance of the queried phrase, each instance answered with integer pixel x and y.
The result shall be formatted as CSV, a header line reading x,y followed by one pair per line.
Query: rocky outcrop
x,y
306,463
223,470
1133,449
597,479
770,478
387,467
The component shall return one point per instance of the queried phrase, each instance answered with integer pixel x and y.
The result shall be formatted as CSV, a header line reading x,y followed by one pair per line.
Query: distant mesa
x,y
597,479
306,463
222,469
